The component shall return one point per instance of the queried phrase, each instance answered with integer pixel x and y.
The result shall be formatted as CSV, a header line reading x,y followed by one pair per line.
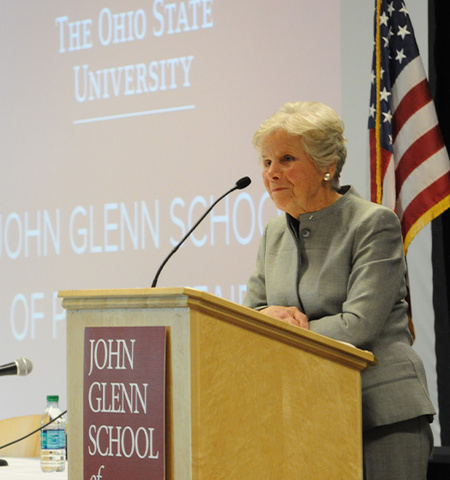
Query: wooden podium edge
x,y
221,309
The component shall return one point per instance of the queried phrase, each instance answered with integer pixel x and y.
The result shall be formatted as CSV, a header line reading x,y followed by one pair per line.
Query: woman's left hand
x,y
291,315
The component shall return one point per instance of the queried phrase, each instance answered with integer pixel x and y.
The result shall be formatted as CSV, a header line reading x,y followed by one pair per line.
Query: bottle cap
x,y
52,398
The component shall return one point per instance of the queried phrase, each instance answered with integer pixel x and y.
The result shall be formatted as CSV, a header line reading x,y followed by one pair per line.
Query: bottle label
x,y
53,439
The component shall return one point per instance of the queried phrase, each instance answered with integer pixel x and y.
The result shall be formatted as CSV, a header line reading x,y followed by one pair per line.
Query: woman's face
x,y
295,184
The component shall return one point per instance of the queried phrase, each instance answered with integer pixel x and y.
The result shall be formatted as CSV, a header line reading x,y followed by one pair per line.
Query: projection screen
x,y
121,123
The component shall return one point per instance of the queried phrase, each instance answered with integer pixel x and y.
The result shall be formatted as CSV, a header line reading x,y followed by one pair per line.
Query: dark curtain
x,y
439,76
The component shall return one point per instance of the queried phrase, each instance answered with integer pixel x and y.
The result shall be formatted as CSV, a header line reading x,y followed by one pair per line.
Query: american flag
x,y
409,164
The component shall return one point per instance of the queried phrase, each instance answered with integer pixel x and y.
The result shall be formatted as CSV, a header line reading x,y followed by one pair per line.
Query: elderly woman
x,y
334,264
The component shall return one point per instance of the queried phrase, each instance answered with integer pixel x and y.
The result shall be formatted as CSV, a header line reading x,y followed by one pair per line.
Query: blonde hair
x,y
319,127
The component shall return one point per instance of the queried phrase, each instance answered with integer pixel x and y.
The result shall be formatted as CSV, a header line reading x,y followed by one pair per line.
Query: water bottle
x,y
53,438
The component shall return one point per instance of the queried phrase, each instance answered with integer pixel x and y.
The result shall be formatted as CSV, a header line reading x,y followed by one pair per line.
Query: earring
x,y
327,177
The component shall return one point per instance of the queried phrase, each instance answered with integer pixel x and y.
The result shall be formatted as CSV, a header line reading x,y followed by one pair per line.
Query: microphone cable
x,y
35,431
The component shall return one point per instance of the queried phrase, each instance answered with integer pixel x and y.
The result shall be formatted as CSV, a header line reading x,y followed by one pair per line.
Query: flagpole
x,y
378,106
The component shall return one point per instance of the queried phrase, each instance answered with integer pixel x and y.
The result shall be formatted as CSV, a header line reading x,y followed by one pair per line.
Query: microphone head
x,y
243,182
24,366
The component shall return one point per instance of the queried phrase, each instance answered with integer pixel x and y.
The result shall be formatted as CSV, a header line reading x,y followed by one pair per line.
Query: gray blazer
x,y
343,266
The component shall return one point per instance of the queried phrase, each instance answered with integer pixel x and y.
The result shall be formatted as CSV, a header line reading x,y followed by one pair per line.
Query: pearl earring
x,y
327,177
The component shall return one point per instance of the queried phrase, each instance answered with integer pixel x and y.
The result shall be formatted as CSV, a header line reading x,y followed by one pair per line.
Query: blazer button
x,y
306,232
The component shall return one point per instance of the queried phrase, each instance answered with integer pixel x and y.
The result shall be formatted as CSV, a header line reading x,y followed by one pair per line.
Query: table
x,y
27,468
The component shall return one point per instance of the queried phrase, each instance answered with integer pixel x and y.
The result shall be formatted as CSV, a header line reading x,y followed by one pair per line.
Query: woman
x,y
334,264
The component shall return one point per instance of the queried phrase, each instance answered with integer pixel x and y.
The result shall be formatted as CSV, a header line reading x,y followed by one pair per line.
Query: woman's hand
x,y
290,315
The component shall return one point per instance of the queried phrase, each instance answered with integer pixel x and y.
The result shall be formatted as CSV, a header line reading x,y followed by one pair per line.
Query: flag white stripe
x,y
417,125
389,196
408,78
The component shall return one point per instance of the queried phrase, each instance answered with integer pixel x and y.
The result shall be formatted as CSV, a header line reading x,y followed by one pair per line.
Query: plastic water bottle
x,y
53,438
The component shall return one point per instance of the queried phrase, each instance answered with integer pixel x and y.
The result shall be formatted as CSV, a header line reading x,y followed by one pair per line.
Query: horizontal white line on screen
x,y
134,114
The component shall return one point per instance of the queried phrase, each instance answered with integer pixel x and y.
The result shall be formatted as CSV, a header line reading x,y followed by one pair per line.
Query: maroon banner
x,y
124,400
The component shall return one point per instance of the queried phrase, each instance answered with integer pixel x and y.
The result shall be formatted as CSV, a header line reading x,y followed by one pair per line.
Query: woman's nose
x,y
273,171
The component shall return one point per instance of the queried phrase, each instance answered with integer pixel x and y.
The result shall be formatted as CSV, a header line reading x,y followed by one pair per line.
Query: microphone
x,y
22,366
240,184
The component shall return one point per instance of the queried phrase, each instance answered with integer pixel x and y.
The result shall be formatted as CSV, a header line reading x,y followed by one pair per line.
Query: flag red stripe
x,y
426,199
422,149
413,101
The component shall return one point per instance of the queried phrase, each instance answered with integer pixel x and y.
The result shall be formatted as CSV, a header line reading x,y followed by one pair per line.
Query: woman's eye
x,y
267,163
288,158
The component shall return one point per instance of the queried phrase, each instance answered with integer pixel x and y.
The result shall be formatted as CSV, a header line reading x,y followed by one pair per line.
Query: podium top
x,y
221,309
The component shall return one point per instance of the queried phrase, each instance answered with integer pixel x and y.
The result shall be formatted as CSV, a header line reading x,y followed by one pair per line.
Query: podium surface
x,y
247,396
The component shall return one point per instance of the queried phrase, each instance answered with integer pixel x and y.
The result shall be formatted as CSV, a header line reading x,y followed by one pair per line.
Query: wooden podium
x,y
248,397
